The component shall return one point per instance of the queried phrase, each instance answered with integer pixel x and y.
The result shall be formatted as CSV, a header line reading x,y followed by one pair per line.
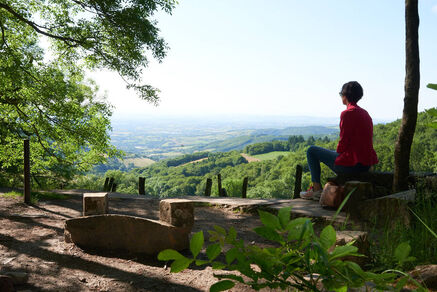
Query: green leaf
x,y
231,255
355,267
341,289
222,286
180,264
342,251
284,216
196,243
432,112
424,224
295,226
268,233
220,230
201,262
230,276
432,86
269,220
218,265
342,204
306,229
232,235
213,251
169,254
327,237
402,251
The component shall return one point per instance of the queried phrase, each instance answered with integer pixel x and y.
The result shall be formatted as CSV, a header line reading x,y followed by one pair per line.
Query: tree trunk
x,y
411,88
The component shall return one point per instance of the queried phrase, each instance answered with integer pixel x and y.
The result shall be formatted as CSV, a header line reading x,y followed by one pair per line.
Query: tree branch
x,y
3,35
40,141
69,41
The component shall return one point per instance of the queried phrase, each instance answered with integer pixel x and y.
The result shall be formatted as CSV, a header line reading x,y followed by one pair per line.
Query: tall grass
x,y
420,234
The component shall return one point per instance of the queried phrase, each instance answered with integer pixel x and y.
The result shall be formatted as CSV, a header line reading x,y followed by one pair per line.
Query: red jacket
x,y
356,135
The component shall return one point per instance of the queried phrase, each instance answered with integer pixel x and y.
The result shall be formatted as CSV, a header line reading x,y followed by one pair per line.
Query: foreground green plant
x,y
301,261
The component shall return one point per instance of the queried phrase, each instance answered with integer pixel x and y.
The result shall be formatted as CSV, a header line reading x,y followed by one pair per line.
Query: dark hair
x,y
352,90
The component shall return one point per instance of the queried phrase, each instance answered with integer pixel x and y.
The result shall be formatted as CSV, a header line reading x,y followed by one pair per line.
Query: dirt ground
x,y
32,241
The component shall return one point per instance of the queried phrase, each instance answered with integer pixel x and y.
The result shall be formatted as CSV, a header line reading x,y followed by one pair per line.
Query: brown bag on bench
x,y
332,195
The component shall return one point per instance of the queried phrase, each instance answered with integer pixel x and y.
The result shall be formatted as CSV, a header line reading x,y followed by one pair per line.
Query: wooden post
x,y
208,187
141,188
26,172
297,182
244,192
111,182
219,183
105,186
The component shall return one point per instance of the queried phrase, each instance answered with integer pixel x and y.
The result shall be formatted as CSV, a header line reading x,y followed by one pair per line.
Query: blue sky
x,y
281,57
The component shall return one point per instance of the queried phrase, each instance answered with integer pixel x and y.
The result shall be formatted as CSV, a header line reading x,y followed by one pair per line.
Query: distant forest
x,y
272,178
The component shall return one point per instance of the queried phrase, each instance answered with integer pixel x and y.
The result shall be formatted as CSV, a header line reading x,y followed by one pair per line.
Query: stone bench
x,y
132,234
364,205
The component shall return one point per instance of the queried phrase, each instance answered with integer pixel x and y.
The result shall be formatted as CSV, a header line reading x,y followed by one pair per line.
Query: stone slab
x,y
95,204
409,195
426,275
128,233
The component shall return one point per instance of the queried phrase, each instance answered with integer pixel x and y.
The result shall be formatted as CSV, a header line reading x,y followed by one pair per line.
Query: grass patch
x,y
271,155
12,194
36,196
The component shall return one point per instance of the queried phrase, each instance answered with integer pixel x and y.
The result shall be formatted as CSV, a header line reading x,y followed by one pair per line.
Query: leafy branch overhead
x,y
46,97
98,34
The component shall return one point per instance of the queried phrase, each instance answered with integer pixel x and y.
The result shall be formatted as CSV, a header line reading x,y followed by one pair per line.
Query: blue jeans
x,y
316,154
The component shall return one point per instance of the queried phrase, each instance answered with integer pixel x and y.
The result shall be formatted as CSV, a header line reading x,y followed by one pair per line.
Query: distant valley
x,y
158,139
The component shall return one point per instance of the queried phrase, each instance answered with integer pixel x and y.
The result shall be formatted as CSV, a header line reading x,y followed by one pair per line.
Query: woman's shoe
x,y
311,194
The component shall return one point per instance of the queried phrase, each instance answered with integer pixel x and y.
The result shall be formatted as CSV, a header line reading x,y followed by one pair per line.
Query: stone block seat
x,y
373,199
95,204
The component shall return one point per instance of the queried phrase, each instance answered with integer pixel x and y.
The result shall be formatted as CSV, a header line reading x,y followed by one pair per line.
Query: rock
x,y
361,242
426,275
177,212
19,278
6,284
95,204
128,233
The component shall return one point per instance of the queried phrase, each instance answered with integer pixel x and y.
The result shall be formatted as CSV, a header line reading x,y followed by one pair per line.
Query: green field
x,y
138,162
271,155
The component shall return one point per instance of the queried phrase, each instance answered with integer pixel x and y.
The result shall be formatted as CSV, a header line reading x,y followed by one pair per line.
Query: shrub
x,y
302,260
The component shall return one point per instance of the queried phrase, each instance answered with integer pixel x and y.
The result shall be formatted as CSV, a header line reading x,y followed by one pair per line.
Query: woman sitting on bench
x,y
355,151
